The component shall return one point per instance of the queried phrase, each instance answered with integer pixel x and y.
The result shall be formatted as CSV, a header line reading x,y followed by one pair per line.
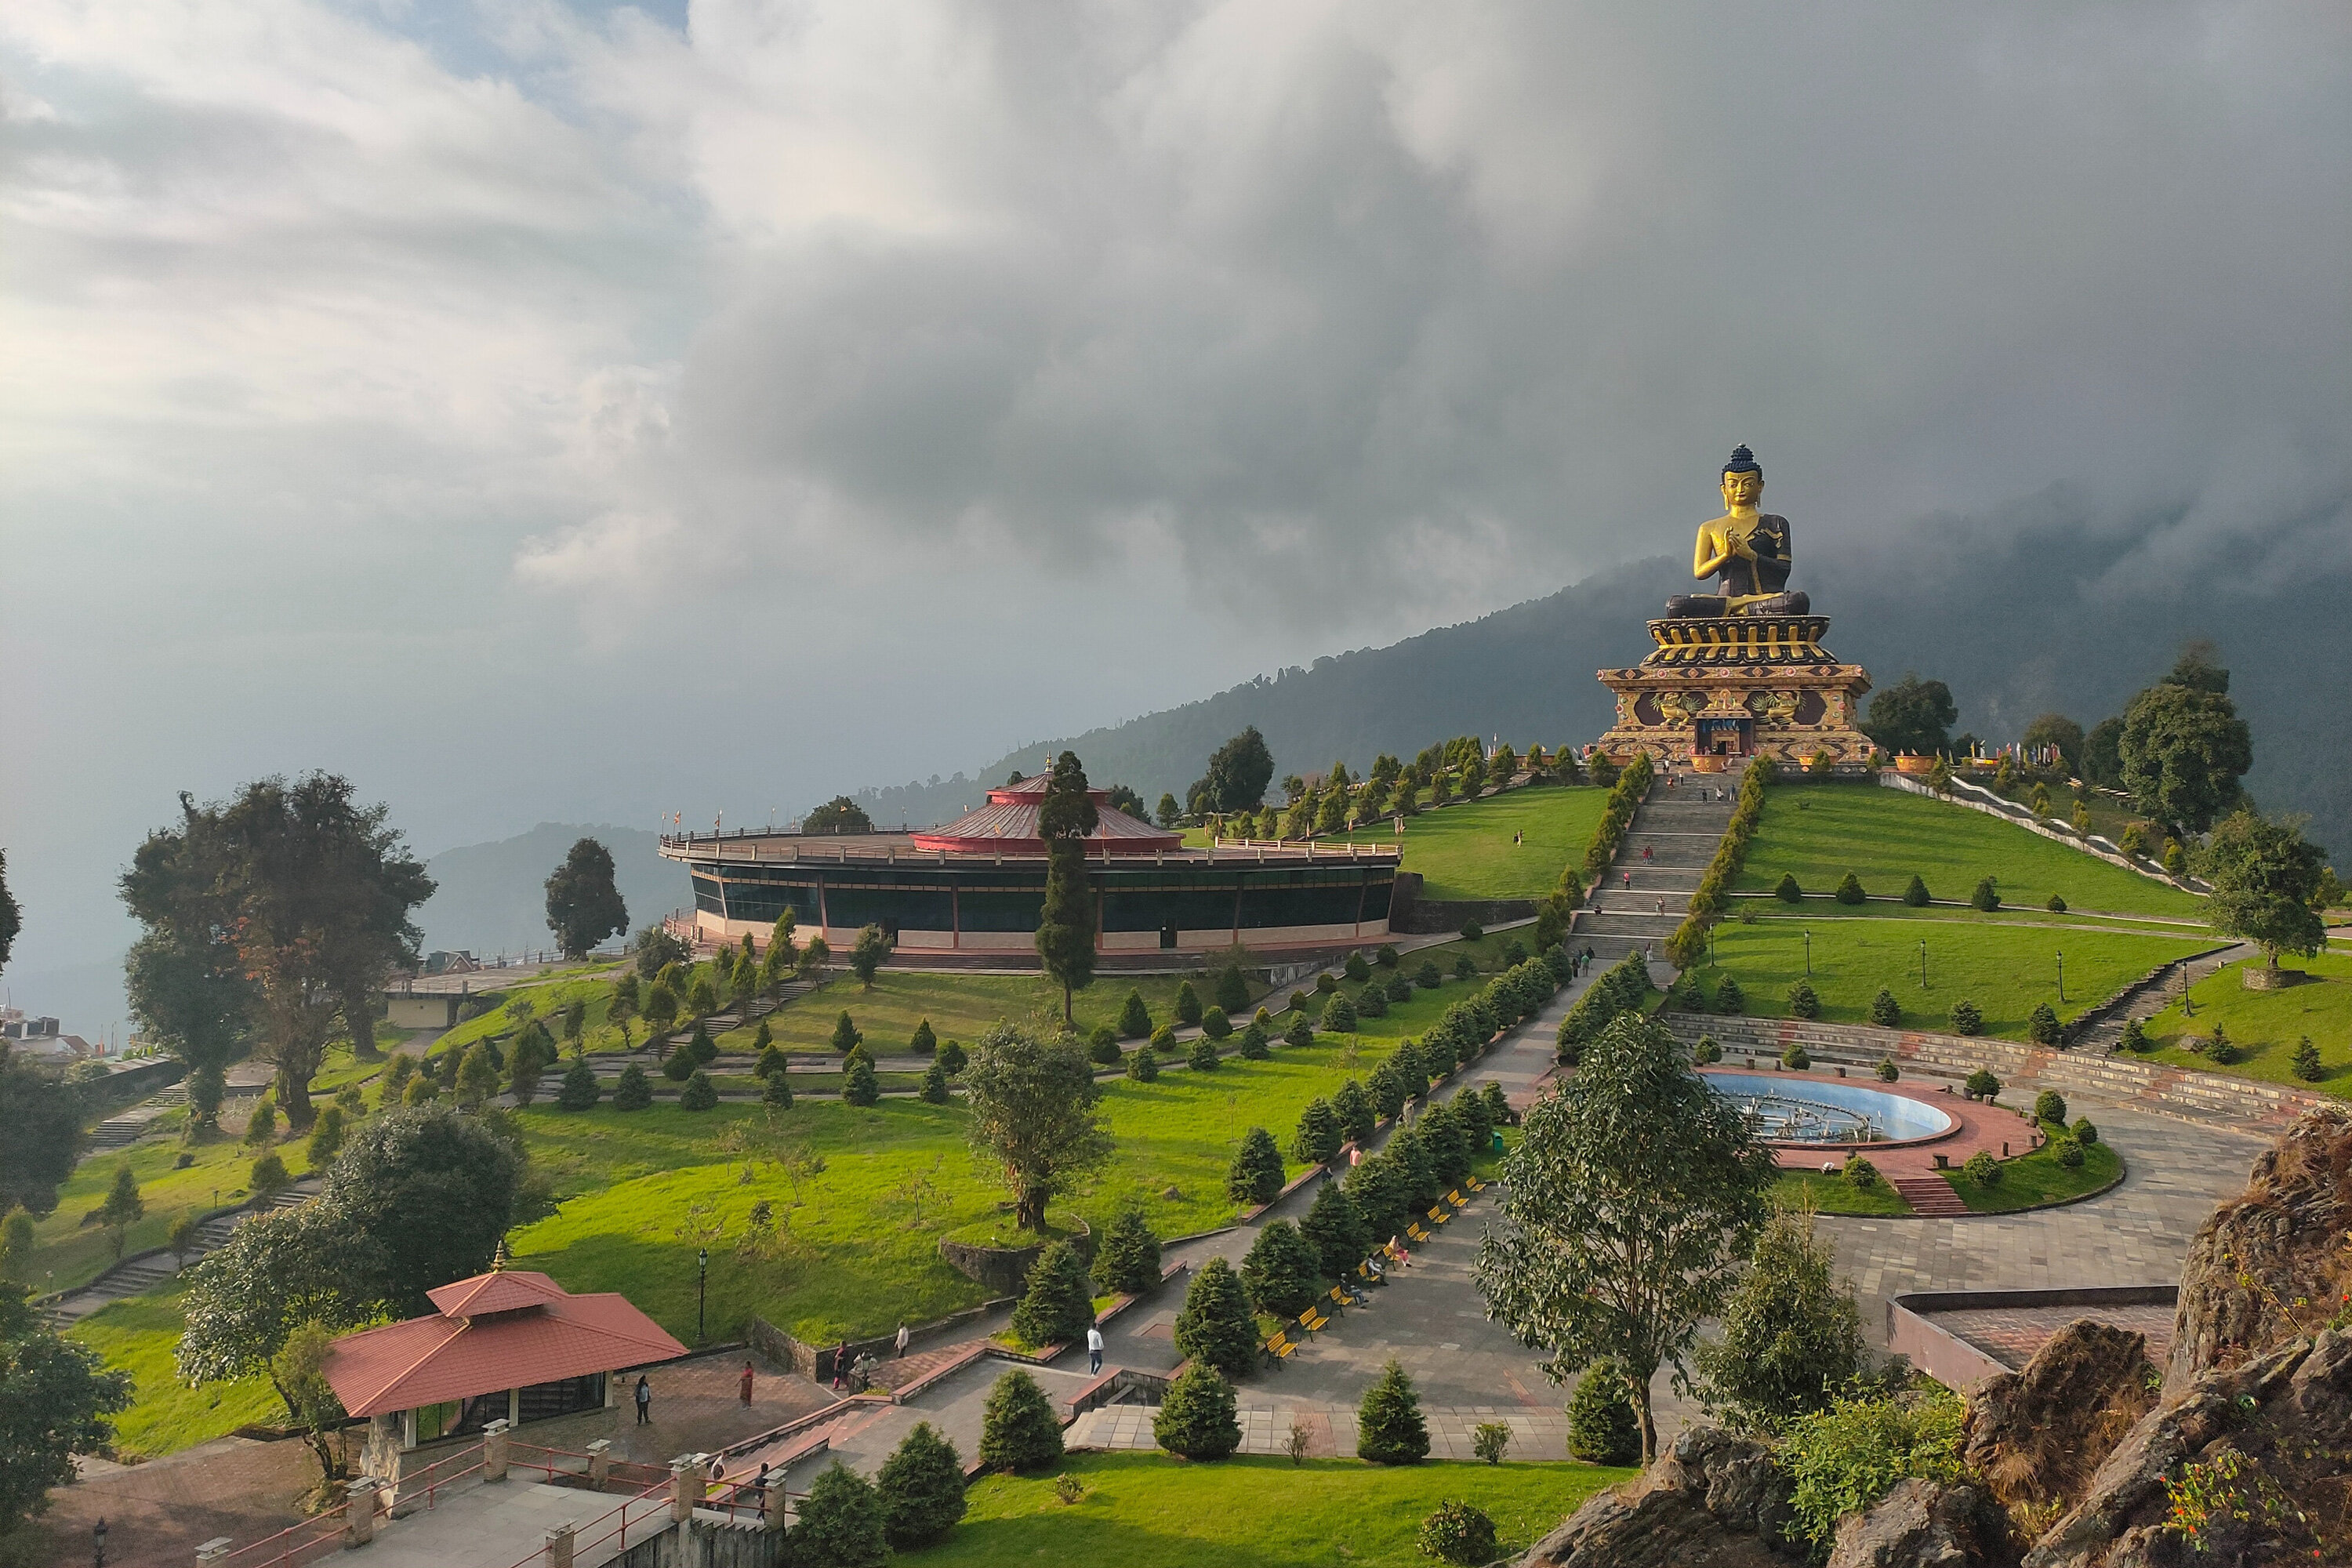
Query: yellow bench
x,y
1473,1184
1438,1214
1282,1347
1312,1320
1457,1200
1412,1228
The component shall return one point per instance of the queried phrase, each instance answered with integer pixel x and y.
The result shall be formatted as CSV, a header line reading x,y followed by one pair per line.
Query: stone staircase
x,y
123,1130
144,1271
1930,1195
1640,902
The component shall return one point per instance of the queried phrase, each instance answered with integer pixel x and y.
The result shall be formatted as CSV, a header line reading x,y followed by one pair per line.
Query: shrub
x,y
268,1177
1300,1033
1143,1064
1372,1003
1339,1014
2042,1026
1846,1457
1255,1176
1796,1058
1163,1038
2067,1152
2049,1105
1792,1332
1804,1001
841,1522
1233,989
1202,1055
1102,1045
1788,892
858,1084
1216,1023
1987,897
1214,1326
1849,891
1188,1004
699,1093
1134,1018
2223,1050
1318,1136
1983,1168
262,1125
1253,1045
1887,1072
2307,1058
1473,931
1602,1426
1729,1000
1356,969
778,1089
1429,977
1324,986
1981,1085
952,1057
773,1060
1385,955
921,1485
633,1093
1283,1272
2176,859
1465,968
1196,1419
1399,989
934,1090
1706,1052
1967,1019
923,1042
1018,1431
1515,952
1859,1173
1916,895
1390,1429
2057,905
326,1136
846,1036
679,1066
2085,1133
1685,993
1884,1010
1128,1263
1460,1531
1056,1308
1490,1440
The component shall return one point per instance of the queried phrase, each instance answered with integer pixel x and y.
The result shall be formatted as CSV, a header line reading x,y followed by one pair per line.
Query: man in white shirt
x,y
1094,1348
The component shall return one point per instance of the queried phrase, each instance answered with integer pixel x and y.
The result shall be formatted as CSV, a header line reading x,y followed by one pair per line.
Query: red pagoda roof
x,y
1007,824
504,1330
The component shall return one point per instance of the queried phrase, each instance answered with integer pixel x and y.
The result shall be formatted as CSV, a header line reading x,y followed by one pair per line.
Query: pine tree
x,y
1188,1004
1339,1014
858,1084
1065,927
1134,1019
1282,1274
1301,1033
1390,1429
1128,1261
845,1035
935,1084
1018,1431
1232,990
924,1041
1143,1064
779,1090
580,1090
699,1093
2306,1061
1196,1419
1916,895
1202,1055
840,1521
1335,1228
921,1485
1214,1326
772,1063
1317,1137
1357,1115
1255,1177
1884,1010
1849,891
1057,1309
633,1093
1252,1044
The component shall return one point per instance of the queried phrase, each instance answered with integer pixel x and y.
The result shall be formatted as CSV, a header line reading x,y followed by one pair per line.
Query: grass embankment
x,y
1150,1510
2264,1025
959,1006
67,1252
1821,831
1466,851
2037,1179
1815,1193
138,1336
2005,970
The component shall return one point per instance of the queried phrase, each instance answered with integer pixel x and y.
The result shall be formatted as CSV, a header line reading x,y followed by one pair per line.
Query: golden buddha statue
x,y
1746,550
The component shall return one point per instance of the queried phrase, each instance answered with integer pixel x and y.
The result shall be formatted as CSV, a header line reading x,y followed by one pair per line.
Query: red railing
x,y
316,1537
654,1500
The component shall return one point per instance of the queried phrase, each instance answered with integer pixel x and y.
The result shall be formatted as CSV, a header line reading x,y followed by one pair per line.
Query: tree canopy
x,y
2057,730
1791,1339
839,815
1032,1106
433,1189
12,920
1065,927
55,1398
1911,715
2265,877
584,902
1238,773
1632,1194
2182,750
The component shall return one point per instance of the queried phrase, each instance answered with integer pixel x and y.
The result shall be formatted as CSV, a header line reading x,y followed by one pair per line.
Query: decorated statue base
x,y
1717,690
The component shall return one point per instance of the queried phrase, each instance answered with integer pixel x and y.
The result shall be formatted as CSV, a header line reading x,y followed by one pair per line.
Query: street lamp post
x,y
701,1280
1809,954
2062,977
1923,963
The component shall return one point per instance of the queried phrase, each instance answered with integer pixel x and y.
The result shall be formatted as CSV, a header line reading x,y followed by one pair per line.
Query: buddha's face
x,y
1742,490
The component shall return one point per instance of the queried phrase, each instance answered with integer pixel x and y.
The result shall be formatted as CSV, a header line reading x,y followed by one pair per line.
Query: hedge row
x,y
1689,941
1623,988
1624,796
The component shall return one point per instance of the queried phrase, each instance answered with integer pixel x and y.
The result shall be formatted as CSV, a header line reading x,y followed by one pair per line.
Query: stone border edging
x,y
1993,805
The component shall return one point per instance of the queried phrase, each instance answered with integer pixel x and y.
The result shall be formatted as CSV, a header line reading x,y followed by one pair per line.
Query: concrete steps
x,y
1928,1195
144,1271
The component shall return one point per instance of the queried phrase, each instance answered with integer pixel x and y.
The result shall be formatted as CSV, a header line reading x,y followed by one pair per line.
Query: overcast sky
x,y
577,413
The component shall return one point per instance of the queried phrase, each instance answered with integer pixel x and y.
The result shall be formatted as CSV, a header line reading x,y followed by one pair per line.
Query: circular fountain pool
x,y
1787,1108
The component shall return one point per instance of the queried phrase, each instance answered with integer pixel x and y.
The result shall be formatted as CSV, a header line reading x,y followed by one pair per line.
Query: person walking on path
x,y
1094,1347
744,1382
645,1401
903,1337
840,1365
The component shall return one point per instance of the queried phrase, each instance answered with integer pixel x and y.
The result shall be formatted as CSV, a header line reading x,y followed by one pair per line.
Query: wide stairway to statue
x,y
1664,852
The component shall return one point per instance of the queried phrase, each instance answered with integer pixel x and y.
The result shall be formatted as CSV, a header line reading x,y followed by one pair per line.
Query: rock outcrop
x,y
1926,1524
1712,1501
2280,1241
2036,1435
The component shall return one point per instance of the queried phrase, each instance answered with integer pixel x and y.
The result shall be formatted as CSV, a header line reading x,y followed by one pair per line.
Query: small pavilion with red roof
x,y
509,1345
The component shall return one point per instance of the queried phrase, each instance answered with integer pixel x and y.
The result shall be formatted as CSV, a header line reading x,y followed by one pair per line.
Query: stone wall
x,y
1413,915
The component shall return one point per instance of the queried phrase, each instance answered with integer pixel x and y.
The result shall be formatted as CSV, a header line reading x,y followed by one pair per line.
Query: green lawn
x,y
1813,1192
1466,851
74,1253
2031,1181
1150,1511
959,1006
1821,831
2005,970
2265,1024
138,1336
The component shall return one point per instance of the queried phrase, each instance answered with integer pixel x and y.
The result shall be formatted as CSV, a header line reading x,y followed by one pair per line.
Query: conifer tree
x,y
1134,1019
1196,1418
1335,1228
1390,1428
1214,1326
1018,1431
580,1090
1188,1004
1057,1309
1255,1177
921,1485
1065,929
1282,1273
1128,1261
633,1093
840,1521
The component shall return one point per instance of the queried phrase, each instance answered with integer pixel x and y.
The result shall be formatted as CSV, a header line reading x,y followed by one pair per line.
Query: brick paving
x,y
160,1511
2012,1335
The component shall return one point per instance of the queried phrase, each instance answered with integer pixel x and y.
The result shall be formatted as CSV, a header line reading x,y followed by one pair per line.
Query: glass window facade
x,y
539,1401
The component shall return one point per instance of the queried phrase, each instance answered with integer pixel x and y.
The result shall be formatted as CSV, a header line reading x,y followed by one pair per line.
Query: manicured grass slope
x,y
2032,1180
1466,851
75,1253
1148,1510
2265,1024
138,1336
1822,831
2005,970
1812,1191
959,1006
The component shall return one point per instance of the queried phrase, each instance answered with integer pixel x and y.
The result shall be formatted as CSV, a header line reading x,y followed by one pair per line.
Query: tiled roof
x,y
492,1331
1008,825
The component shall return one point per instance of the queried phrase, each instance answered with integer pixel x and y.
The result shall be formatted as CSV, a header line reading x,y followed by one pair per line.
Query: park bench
x,y
1282,1347
1313,1318
1473,1184
1457,1200
1412,1228
1438,1213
